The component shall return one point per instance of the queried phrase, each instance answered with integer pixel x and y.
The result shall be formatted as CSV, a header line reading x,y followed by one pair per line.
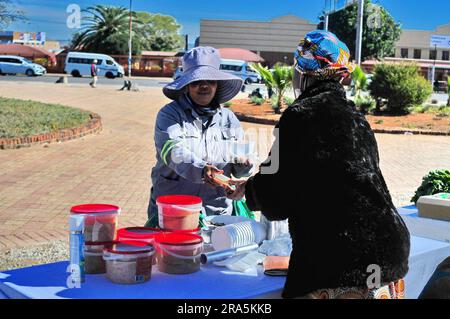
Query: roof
x,y
26,52
440,64
240,54
158,53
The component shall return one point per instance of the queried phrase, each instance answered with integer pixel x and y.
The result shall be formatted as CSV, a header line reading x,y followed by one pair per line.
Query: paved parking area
x,y
38,185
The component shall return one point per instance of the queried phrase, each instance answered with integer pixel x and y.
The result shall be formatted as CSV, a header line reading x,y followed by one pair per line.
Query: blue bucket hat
x,y
203,63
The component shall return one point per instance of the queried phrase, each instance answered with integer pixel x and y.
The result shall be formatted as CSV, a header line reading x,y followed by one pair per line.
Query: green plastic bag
x,y
240,208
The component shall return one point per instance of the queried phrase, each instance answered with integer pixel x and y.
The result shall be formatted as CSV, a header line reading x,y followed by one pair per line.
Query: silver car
x,y
11,64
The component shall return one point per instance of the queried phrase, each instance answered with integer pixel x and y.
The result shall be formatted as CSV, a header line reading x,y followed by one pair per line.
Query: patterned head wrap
x,y
322,55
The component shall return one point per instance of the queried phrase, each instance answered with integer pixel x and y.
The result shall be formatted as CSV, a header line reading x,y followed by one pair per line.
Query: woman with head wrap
x,y
323,175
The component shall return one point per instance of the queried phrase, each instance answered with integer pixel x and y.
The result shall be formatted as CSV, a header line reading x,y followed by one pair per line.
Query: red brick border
x,y
94,125
260,120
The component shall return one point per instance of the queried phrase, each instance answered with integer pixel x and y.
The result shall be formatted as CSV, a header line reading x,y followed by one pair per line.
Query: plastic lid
x,y
138,232
105,243
179,200
178,239
94,209
130,248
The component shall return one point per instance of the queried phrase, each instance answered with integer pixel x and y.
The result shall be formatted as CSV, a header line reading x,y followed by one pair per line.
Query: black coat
x,y
329,185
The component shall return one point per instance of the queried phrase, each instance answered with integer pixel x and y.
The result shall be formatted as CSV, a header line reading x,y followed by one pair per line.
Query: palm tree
x,y
279,79
105,30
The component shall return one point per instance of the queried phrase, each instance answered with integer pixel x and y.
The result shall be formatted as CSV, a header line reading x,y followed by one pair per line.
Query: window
x,y
109,62
228,67
3,60
404,53
445,55
84,61
15,61
433,55
417,54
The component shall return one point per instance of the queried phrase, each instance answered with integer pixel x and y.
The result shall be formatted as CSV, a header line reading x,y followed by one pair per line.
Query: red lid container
x,y
146,234
179,200
95,209
178,239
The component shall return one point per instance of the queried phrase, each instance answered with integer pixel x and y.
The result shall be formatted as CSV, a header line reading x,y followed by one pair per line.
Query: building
x,y
415,44
274,40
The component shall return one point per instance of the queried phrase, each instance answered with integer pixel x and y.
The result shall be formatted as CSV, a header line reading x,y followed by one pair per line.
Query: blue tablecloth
x,y
211,282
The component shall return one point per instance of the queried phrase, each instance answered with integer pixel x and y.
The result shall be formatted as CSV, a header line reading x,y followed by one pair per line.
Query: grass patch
x,y
379,122
19,118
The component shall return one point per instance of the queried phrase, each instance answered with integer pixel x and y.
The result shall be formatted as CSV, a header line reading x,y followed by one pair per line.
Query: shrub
x,y
227,104
256,100
401,85
365,104
434,182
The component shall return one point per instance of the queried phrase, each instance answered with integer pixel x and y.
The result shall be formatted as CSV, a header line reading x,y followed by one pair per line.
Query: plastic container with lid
x,y
179,253
146,234
100,221
179,212
93,257
129,262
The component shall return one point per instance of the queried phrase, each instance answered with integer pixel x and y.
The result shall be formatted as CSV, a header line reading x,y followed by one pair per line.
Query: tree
x,y
380,33
9,14
105,29
279,79
160,32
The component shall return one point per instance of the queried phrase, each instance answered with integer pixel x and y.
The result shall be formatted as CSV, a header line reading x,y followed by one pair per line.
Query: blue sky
x,y
50,15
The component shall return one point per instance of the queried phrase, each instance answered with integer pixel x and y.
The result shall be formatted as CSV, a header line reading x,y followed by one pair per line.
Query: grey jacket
x,y
185,142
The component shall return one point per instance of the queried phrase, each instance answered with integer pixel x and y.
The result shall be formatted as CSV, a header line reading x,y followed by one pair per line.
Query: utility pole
x,y
186,44
433,71
327,18
359,31
129,43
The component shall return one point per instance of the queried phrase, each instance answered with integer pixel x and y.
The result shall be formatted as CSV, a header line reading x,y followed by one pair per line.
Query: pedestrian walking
x,y
94,74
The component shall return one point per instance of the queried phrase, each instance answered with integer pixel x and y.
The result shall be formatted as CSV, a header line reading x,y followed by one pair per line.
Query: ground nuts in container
x,y
129,262
179,253
93,257
179,212
100,221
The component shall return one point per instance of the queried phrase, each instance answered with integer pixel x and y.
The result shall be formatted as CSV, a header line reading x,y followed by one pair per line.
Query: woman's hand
x,y
208,175
239,191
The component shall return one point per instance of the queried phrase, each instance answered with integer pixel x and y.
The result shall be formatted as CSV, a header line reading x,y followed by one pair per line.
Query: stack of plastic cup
x,y
238,235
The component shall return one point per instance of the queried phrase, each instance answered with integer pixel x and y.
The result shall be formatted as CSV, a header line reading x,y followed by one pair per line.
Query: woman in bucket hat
x,y
348,239
193,132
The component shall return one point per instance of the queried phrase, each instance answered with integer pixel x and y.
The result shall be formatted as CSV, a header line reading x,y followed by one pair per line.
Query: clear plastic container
x,y
179,212
100,221
93,257
179,253
129,262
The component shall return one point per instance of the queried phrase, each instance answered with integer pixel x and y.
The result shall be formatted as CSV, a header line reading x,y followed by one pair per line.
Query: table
x,y
211,282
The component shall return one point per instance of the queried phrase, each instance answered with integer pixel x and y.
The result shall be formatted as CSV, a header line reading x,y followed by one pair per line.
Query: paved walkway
x,y
38,185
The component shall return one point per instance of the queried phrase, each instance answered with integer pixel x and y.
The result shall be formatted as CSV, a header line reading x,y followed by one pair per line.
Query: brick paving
x,y
38,185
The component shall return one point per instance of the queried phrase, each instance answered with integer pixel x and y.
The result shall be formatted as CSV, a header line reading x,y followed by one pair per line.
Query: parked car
x,y
241,69
236,67
12,64
78,64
